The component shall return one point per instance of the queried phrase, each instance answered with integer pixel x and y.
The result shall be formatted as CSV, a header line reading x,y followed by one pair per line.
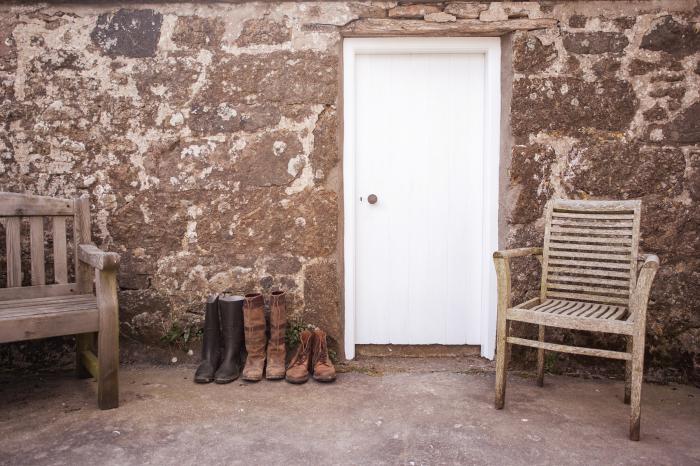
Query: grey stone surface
x,y
382,412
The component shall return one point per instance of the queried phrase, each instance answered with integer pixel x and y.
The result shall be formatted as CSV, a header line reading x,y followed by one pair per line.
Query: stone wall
x,y
207,138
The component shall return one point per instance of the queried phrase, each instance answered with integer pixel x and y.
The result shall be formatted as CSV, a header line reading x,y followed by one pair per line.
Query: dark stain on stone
x,y
655,113
685,128
672,37
639,67
592,43
128,33
577,21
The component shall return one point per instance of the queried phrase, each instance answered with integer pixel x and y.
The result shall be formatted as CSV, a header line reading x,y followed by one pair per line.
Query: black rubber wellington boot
x,y
231,313
211,343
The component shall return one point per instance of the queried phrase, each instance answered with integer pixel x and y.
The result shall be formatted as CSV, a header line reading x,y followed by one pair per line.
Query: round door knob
x,y
372,199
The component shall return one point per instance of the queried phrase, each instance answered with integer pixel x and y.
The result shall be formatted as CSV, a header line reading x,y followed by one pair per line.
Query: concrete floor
x,y
381,412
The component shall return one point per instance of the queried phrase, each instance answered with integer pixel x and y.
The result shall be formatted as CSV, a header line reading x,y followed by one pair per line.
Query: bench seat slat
x,y
42,324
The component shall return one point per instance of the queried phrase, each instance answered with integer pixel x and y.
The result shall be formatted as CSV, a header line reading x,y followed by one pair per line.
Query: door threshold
x,y
417,351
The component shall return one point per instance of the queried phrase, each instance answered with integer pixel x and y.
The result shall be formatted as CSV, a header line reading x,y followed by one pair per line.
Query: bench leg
x,y
107,340
83,342
540,359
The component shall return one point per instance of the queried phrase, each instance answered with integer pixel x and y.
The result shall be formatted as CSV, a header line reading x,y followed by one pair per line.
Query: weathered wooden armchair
x,y
589,282
44,310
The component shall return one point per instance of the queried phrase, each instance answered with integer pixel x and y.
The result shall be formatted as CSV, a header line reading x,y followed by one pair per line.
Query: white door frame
x,y
490,47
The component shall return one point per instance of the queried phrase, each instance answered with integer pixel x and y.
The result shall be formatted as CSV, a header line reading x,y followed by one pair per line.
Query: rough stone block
x,y
465,10
416,11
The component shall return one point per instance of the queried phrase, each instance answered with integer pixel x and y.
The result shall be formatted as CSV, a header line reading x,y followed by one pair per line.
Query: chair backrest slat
x,y
590,251
36,241
14,252
60,251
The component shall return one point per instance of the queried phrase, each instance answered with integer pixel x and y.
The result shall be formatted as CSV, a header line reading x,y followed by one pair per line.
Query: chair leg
x,y
107,340
540,359
636,389
502,351
628,373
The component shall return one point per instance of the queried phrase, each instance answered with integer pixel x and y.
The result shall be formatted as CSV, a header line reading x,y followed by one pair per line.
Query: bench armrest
x,y
97,258
519,252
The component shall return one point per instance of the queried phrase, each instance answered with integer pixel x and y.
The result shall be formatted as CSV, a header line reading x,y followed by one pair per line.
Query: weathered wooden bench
x,y
40,310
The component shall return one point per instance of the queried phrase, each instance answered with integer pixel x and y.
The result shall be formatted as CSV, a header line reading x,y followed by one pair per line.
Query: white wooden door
x,y
419,140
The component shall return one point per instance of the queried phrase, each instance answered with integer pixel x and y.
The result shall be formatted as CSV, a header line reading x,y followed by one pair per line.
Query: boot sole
x,y
324,380
249,379
224,381
297,381
203,380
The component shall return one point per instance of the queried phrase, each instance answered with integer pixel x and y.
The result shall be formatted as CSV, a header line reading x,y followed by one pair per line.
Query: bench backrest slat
x,y
26,205
14,252
36,241
34,209
60,250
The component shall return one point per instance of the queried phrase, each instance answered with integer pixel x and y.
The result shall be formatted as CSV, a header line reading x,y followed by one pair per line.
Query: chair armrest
x,y
98,259
519,252
640,294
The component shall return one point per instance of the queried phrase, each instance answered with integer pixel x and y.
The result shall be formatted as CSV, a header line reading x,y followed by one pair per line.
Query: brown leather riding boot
x,y
254,322
298,371
276,352
324,371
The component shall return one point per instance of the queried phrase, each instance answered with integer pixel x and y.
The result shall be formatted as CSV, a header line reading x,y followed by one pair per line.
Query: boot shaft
x,y
211,338
254,322
231,316
278,319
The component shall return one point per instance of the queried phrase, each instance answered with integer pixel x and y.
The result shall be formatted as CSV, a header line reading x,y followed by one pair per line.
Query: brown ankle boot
x,y
254,322
276,352
323,367
298,371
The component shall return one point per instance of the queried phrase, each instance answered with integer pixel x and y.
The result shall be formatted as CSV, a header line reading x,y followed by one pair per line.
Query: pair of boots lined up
x,y
229,321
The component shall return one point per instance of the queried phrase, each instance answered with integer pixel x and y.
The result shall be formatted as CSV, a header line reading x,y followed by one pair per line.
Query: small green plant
x,y
293,334
180,335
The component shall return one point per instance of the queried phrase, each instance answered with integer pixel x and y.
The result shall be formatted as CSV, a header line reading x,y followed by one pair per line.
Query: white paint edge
x,y
490,47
